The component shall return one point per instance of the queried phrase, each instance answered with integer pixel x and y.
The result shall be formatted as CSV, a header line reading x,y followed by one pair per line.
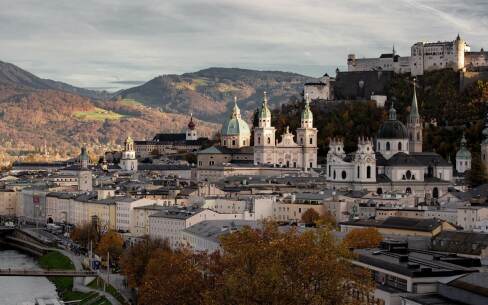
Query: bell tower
x,y
264,136
414,124
307,137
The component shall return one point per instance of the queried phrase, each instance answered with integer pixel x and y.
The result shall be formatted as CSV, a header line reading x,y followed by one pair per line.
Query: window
x,y
368,172
334,174
359,171
244,143
259,140
388,146
344,175
233,142
329,171
418,136
301,140
408,174
269,140
400,146
225,143
311,140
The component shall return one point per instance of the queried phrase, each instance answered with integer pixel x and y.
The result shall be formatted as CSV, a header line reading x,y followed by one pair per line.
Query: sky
x,y
113,44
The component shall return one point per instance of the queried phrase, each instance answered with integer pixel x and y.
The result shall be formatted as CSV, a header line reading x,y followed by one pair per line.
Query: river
x,y
17,290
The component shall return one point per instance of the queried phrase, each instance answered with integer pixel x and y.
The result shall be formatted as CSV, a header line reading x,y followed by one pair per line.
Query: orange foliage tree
x,y
111,242
135,259
310,217
363,238
85,234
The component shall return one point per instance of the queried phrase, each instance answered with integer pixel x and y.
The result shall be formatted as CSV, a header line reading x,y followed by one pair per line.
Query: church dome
x,y
463,153
392,128
235,126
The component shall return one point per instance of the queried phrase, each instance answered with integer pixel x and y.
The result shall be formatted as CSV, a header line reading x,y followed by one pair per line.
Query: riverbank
x,y
65,285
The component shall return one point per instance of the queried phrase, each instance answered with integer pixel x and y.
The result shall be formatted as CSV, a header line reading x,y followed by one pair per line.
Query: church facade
x,y
394,162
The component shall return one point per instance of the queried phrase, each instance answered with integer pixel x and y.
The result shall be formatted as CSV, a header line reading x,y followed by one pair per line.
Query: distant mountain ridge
x,y
209,93
13,76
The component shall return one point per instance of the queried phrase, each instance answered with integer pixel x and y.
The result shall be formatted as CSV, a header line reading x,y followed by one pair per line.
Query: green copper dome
x,y
264,112
235,125
307,113
463,152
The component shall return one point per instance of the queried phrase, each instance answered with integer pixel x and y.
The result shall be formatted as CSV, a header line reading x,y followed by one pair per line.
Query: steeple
x,y
191,124
414,115
236,112
393,50
307,115
392,113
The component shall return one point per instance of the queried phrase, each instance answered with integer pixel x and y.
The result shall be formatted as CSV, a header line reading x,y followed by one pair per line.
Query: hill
x,y
13,76
37,114
209,93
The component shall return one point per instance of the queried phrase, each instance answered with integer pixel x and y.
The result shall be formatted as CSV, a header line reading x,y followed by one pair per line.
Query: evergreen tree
x,y
477,175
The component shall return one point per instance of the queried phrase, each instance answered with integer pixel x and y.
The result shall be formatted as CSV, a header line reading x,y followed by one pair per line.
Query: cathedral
x,y
301,153
393,162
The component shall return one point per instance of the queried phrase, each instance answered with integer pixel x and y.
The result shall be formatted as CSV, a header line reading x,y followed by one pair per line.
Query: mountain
x,y
13,76
209,93
37,114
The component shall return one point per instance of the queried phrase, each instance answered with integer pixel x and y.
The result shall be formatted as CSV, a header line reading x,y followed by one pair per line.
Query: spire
x,y
394,51
392,113
307,115
458,37
414,108
463,141
236,112
264,111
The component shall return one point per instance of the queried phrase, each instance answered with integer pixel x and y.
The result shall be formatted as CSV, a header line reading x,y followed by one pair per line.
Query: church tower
x,y
85,183
307,137
365,161
414,125
235,132
264,136
484,144
128,162
191,132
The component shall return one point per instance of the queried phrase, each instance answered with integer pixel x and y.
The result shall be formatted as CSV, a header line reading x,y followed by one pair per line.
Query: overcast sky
x,y
115,43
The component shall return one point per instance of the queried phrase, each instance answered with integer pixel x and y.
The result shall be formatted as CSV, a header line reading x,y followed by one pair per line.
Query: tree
x,y
173,278
477,174
135,259
269,266
310,217
85,234
111,242
363,238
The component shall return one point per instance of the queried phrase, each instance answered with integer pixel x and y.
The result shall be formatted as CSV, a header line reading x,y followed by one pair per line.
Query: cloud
x,y
94,43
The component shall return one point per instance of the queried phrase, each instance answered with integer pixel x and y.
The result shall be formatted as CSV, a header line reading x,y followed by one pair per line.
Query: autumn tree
x,y
135,259
110,242
310,217
173,278
363,238
85,234
269,266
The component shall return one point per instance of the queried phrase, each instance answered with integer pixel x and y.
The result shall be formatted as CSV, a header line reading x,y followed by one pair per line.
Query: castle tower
x,y
235,132
459,49
484,144
307,137
414,125
463,157
128,162
191,132
264,136
365,161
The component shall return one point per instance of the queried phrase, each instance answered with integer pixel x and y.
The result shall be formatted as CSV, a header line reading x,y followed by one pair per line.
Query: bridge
x,y
43,273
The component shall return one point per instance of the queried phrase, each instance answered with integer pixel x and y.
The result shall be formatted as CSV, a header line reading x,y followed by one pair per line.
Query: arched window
x,y
334,174
344,175
359,171
379,191
399,146
368,172
408,190
329,171
244,143
387,146
233,142
269,140
408,174
301,140
435,192
311,140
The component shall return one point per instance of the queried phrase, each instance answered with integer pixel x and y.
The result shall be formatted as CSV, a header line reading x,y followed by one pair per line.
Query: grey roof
x,y
414,263
403,159
461,242
431,299
153,207
161,167
177,212
430,158
475,282
214,229
404,223
392,129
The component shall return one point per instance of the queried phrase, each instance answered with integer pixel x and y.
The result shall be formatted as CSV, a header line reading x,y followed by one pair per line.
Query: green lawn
x,y
98,284
64,285
98,114
130,102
